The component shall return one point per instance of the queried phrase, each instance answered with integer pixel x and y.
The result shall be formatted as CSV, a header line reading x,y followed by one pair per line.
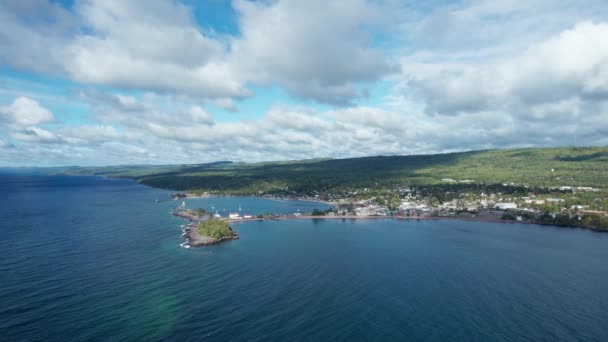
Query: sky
x,y
115,82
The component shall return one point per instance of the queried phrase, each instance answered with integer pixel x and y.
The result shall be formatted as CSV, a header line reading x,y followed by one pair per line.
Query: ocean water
x,y
89,259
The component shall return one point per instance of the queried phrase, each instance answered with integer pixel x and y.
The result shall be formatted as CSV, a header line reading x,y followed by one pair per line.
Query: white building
x,y
505,205
234,216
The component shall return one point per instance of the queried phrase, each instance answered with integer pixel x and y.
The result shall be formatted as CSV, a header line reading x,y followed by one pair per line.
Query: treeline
x,y
535,167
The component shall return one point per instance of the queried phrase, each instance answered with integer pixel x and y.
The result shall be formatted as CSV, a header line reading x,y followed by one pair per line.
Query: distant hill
x,y
580,166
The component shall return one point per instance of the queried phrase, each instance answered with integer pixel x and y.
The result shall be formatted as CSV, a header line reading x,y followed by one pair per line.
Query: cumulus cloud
x,y
35,134
157,47
474,75
315,49
322,50
491,28
572,64
25,112
147,116
154,134
508,74
34,45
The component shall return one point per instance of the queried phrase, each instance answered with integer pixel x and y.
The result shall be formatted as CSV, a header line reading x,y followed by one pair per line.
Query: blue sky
x,y
92,82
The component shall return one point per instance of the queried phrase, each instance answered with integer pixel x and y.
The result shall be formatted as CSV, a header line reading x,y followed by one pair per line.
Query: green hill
x,y
581,166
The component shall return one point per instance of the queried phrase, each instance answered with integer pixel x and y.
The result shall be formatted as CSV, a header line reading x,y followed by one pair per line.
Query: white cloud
x,y
153,134
475,75
34,45
35,135
156,47
25,112
573,63
315,49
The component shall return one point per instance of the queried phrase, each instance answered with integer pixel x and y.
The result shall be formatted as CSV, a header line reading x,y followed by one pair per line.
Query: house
x,y
505,205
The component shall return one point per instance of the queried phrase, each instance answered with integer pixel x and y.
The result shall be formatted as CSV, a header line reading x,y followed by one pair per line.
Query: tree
x,y
394,203
317,212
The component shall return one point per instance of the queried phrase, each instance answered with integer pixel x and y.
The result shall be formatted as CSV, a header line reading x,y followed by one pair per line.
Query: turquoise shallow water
x,y
89,259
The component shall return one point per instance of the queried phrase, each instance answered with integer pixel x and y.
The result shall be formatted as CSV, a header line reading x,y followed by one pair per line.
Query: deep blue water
x,y
89,259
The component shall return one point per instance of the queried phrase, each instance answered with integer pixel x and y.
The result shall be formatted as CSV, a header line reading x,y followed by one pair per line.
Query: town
x,y
557,205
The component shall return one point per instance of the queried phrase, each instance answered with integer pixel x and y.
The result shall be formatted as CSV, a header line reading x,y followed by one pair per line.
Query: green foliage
x,y
532,166
215,228
560,220
199,212
603,223
394,203
595,221
317,212
508,216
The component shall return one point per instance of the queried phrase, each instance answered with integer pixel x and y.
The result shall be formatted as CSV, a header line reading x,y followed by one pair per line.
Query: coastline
x,y
354,217
192,218
411,218
303,199
195,240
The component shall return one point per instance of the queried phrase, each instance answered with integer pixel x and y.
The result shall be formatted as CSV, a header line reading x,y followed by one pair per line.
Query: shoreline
x,y
302,199
191,218
193,239
354,217
410,218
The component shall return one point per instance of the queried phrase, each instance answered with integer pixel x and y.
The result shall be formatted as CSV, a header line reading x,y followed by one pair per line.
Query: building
x,y
505,205
234,216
